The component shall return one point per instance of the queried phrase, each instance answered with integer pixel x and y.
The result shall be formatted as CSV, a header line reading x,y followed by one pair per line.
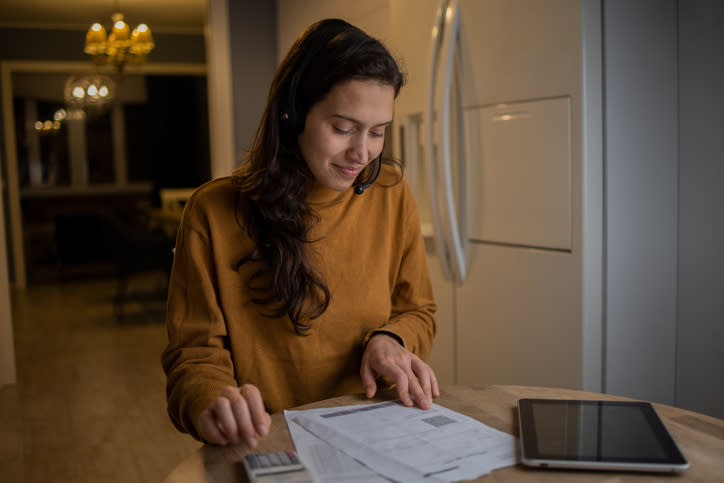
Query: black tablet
x,y
598,435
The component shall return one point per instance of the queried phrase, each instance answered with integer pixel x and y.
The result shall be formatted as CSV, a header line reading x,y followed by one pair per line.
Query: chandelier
x,y
121,46
89,94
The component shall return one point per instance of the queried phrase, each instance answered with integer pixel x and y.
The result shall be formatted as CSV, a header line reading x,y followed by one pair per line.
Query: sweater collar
x,y
318,194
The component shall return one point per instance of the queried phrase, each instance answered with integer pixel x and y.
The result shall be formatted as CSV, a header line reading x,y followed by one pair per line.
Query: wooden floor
x,y
89,405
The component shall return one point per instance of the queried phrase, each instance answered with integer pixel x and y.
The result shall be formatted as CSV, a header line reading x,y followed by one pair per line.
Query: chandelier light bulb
x,y
121,31
60,115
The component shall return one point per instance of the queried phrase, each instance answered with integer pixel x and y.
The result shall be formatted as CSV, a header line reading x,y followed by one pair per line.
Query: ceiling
x,y
170,16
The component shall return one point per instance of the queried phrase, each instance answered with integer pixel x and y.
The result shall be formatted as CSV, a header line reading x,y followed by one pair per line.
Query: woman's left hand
x,y
414,379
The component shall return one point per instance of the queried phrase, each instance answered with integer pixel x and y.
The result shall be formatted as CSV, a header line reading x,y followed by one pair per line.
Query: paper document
x,y
327,463
401,443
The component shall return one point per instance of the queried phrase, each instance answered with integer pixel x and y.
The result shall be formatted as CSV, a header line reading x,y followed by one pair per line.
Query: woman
x,y
303,276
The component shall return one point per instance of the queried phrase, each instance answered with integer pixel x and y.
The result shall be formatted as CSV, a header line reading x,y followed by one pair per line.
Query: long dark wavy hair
x,y
273,181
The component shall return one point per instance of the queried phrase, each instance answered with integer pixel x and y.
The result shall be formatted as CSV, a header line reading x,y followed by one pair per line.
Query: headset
x,y
292,119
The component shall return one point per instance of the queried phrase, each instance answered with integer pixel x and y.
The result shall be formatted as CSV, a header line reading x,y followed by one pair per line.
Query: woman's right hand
x,y
237,415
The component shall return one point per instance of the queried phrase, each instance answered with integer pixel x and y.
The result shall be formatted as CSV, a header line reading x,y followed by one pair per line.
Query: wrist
x,y
391,335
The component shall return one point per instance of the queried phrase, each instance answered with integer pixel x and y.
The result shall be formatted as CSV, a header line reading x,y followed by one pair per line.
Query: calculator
x,y
276,467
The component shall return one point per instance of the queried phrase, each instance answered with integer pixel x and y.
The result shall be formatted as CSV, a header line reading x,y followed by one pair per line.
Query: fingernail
x,y
262,429
252,442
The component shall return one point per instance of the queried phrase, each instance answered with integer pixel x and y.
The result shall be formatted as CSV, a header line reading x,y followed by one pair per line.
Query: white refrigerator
x,y
490,128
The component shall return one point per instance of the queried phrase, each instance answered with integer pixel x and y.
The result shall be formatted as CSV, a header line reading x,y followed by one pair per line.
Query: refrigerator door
x,y
516,319
518,314
519,174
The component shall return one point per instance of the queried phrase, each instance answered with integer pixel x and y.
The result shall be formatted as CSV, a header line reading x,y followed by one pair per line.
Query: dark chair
x,y
136,249
123,242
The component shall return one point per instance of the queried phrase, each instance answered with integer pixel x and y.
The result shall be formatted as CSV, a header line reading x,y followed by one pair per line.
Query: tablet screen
x,y
596,434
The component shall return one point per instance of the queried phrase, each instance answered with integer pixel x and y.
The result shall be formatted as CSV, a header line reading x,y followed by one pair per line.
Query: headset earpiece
x,y
287,119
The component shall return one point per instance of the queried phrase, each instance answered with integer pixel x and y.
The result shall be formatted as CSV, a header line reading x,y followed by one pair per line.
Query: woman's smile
x,y
348,172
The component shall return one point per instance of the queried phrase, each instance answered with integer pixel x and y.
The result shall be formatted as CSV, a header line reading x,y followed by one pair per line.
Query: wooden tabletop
x,y
700,437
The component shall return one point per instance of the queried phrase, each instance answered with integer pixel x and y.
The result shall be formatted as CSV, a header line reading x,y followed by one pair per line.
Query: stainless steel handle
x,y
427,134
443,98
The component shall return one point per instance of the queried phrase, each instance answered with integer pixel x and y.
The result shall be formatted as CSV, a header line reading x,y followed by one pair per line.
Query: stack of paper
x,y
388,441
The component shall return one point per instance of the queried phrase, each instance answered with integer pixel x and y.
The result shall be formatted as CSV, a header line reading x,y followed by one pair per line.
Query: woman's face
x,y
346,130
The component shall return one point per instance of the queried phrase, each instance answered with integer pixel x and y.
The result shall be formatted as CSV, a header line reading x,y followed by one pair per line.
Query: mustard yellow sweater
x,y
371,253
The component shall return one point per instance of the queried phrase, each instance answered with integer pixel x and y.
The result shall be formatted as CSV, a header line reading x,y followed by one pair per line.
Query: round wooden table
x,y
700,437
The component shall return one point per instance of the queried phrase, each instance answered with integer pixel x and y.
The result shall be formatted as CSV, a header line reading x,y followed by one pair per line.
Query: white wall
x,y
664,119
241,50
641,167
700,317
7,342
218,62
293,16
252,33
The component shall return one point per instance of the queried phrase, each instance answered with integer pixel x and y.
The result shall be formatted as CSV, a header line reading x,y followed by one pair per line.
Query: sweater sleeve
x,y
412,318
197,360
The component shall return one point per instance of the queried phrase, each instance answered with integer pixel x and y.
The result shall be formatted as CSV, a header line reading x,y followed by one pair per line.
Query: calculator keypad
x,y
277,462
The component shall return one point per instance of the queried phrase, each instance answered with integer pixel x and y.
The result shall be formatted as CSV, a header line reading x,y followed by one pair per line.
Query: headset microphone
x,y
359,189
